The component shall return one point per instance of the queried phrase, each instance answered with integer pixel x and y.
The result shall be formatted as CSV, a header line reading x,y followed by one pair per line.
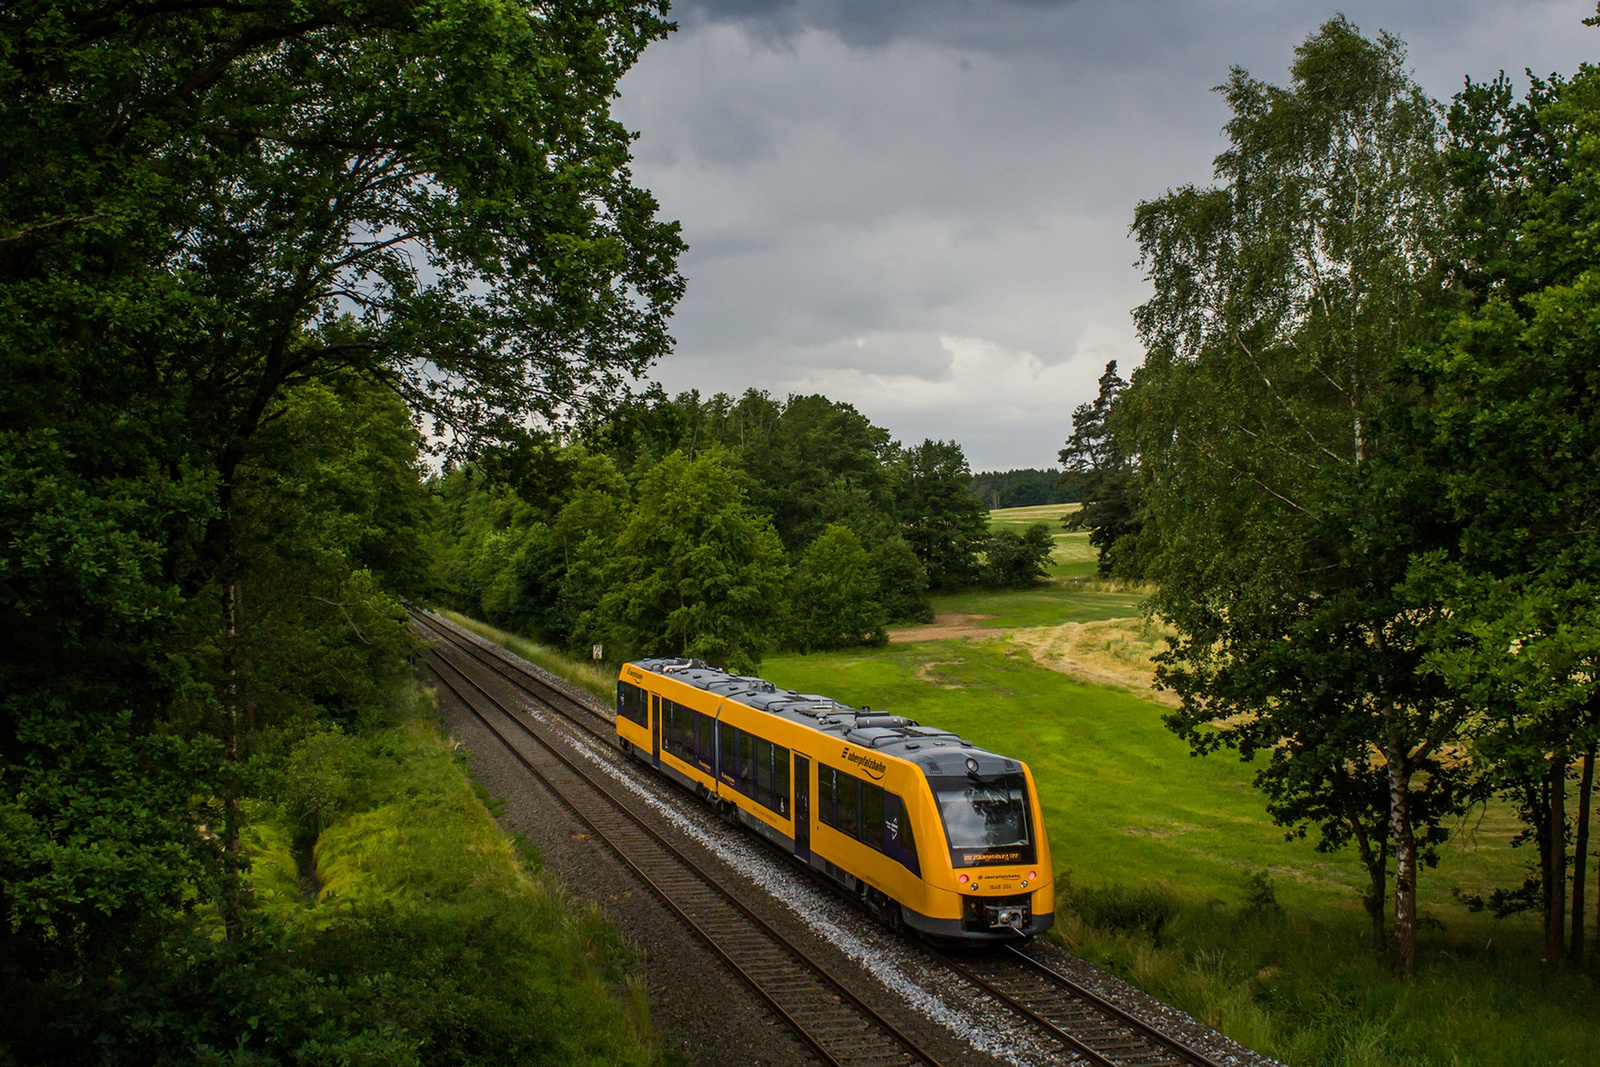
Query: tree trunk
x,y
1377,865
1555,886
1403,953
1580,858
230,751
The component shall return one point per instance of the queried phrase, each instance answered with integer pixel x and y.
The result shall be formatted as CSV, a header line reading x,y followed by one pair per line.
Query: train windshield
x,y
985,819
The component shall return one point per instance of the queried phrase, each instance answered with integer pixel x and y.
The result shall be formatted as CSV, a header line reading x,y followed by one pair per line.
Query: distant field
x,y
1074,557
1049,605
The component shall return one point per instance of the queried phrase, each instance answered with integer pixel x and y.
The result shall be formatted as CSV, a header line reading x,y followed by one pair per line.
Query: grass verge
x,y
596,678
424,930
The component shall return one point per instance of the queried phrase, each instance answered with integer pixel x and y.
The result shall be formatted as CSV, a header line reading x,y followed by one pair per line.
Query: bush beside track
x,y
388,900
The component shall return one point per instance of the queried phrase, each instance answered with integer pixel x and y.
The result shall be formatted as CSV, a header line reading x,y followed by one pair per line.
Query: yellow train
x,y
930,831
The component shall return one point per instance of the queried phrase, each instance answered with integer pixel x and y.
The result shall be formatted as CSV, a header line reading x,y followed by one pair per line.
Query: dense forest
x,y
1359,463
244,249
720,529
1024,488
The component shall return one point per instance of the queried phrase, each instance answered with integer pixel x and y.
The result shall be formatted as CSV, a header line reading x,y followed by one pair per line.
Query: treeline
x,y
1360,461
1024,488
720,528
243,249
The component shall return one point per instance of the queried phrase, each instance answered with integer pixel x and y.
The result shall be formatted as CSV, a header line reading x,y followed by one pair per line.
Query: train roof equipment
x,y
935,751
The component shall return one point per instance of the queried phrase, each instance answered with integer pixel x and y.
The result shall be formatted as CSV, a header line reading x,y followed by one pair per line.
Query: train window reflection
x,y
985,820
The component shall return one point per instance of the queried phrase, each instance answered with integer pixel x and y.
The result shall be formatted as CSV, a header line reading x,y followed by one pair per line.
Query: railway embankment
x,y
401,901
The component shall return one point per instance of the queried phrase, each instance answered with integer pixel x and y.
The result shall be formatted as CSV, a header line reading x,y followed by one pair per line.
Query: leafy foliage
x,y
1107,478
943,523
692,573
1513,430
1286,509
835,595
1018,560
533,531
1024,488
230,237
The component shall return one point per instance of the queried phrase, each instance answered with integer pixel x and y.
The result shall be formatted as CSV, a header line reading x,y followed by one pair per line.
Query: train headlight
x,y
1024,884
972,765
963,879
1032,875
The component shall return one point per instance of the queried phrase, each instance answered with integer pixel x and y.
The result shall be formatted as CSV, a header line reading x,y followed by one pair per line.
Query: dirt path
x,y
945,625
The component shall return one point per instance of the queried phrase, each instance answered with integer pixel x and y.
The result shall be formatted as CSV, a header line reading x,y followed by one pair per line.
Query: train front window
x,y
985,819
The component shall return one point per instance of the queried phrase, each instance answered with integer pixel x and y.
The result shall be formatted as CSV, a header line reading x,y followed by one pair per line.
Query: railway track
x,y
1091,1026
841,1029
1084,1025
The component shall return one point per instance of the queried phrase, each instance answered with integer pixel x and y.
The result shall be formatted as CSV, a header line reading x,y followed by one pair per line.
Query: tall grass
x,y
426,925
597,678
1307,990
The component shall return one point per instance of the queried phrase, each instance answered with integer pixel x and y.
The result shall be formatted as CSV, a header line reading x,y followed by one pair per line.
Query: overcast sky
x,y
922,206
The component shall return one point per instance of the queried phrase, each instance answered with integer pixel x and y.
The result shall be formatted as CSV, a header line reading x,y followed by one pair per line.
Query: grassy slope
x,y
1126,805
598,679
408,835
1074,557
1123,799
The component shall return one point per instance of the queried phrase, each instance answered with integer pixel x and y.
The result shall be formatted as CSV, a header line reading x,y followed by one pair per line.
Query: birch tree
x,y
1283,510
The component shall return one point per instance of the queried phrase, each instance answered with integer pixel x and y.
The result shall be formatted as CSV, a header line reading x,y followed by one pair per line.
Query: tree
x,y
941,520
208,207
834,597
1286,498
1106,479
902,581
1514,424
1017,561
692,573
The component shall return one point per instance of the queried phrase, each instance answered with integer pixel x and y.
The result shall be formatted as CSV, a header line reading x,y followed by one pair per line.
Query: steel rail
x,y
707,880
478,647
453,634
1074,1043
1082,992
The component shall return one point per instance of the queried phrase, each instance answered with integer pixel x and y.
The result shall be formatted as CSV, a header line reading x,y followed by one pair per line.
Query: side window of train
x,y
727,752
747,764
872,814
849,800
633,703
867,811
827,788
763,770
677,733
780,784
705,740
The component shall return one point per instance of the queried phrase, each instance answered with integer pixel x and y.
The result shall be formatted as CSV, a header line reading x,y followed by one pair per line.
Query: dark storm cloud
x,y
923,207
876,24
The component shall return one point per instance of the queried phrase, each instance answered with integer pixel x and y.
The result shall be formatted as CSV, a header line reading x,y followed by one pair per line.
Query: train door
x,y
655,730
802,807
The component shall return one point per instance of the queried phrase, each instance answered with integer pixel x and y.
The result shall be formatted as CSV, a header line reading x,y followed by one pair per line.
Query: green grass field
x,y
1162,860
1124,802
1139,828
1073,557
